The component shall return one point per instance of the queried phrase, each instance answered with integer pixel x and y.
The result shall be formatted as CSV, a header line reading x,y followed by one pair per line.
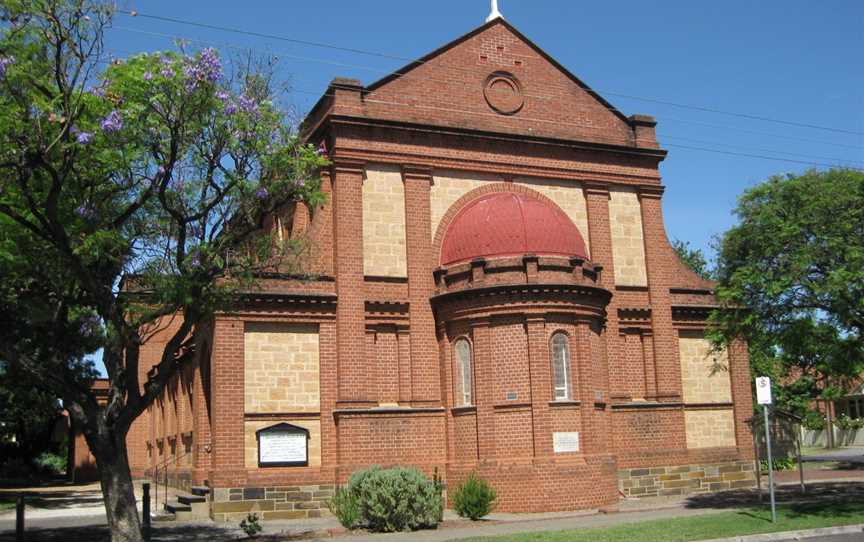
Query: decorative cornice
x,y
416,172
348,165
653,192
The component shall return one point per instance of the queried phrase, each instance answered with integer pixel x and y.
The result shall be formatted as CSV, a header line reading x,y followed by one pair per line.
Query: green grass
x,y
6,503
725,524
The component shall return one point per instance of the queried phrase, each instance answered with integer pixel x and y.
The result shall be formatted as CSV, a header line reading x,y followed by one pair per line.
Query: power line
x,y
420,62
414,76
589,127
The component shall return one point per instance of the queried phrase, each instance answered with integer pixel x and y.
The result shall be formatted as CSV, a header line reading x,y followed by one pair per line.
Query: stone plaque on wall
x,y
283,445
565,442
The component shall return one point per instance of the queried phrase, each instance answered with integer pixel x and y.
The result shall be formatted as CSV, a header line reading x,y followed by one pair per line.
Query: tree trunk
x,y
118,491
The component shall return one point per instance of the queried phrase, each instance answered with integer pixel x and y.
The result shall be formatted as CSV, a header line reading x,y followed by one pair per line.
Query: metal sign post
x,y
763,397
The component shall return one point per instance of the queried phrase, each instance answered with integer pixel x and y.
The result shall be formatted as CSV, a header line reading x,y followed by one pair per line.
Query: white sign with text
x,y
281,447
763,390
565,442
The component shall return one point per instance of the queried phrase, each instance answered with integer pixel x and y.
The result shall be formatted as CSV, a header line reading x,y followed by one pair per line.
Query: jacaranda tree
x,y
131,191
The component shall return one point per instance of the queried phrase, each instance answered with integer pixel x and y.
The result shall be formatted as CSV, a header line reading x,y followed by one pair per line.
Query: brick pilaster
x,y
202,441
540,374
327,359
227,399
742,396
667,362
425,371
590,439
484,392
356,380
597,205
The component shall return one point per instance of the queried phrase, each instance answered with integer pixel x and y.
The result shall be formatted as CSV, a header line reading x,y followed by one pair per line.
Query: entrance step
x,y
201,491
189,507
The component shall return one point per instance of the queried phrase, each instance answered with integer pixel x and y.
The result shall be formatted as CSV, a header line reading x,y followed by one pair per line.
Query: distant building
x,y
494,292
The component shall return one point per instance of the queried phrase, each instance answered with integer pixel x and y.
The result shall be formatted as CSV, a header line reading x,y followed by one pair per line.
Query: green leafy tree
x,y
130,192
693,257
28,415
791,278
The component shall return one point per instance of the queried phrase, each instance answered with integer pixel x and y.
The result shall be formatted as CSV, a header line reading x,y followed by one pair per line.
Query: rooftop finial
x,y
495,13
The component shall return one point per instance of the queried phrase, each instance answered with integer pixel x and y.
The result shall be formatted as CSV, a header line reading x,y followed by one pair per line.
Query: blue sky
x,y
794,60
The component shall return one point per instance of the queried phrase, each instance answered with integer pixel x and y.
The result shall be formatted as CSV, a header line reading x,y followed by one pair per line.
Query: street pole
x,y
770,464
19,518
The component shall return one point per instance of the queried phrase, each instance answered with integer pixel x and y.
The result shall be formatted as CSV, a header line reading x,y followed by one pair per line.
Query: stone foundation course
x,y
686,479
283,502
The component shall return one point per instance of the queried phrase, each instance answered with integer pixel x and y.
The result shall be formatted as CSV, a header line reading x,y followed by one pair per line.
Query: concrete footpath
x,y
74,528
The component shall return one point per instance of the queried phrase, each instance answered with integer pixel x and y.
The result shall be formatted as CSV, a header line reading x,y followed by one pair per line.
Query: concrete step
x,y
190,499
162,516
189,507
201,491
175,506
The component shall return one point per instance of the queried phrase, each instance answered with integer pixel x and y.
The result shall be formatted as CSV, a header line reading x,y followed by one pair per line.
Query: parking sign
x,y
763,390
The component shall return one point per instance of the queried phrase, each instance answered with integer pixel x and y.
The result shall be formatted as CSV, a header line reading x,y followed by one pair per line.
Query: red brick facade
x,y
387,392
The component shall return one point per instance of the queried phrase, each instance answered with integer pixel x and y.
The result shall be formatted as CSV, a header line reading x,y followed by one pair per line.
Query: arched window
x,y
462,348
561,366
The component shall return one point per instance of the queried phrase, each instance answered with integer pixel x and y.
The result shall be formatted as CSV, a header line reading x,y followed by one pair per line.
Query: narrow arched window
x,y
561,366
462,349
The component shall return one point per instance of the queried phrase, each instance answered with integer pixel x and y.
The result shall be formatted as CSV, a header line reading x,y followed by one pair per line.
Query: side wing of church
x,y
492,291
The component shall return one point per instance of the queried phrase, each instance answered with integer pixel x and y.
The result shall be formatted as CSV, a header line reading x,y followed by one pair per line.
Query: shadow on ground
x,y
161,533
57,500
818,495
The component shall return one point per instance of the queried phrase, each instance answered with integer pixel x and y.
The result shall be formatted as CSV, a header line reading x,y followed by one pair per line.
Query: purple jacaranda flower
x,y
209,65
85,211
230,108
90,324
195,261
262,193
223,96
84,138
247,104
321,150
161,170
206,68
99,90
147,76
4,62
112,123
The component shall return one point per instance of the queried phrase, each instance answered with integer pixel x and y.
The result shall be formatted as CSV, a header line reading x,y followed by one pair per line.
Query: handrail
x,y
164,465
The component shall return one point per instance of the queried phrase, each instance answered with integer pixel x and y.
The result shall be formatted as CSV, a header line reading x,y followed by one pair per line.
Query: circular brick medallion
x,y
503,93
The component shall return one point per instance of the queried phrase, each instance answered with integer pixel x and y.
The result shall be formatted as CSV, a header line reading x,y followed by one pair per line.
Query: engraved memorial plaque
x,y
283,445
565,442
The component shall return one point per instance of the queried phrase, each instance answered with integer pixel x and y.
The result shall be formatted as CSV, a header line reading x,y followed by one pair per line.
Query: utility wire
x,y
590,127
414,76
420,62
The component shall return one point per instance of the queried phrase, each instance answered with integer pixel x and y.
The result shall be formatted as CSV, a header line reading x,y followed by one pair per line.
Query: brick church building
x,y
490,288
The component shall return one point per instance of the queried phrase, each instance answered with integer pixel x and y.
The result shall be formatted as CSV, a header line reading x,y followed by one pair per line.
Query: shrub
x,y
779,464
813,421
396,499
345,507
51,463
474,498
251,526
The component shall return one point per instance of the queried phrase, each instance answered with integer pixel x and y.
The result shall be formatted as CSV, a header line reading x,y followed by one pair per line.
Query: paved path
x,y
851,454
78,527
